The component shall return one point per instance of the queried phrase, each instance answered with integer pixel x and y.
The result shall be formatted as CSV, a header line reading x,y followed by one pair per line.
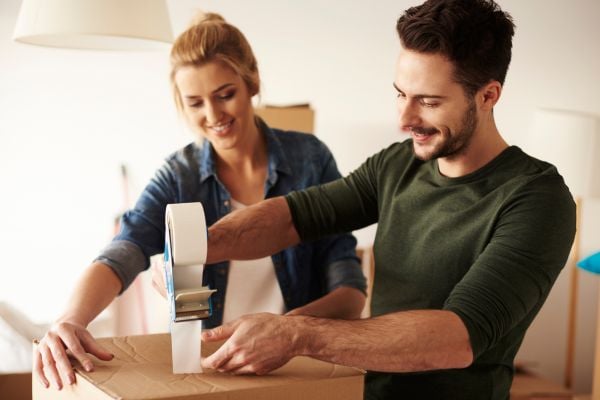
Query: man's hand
x,y
256,344
50,360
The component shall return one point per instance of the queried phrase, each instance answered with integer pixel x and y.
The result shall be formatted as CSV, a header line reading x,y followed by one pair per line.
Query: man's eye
x,y
430,104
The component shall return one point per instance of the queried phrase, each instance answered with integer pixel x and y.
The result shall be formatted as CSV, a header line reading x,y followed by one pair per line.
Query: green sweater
x,y
488,246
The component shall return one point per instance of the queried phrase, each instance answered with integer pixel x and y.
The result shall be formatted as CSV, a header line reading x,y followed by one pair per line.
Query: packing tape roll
x,y
187,228
185,255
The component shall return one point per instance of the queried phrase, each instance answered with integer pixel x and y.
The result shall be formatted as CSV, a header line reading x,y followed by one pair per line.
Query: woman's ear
x,y
255,87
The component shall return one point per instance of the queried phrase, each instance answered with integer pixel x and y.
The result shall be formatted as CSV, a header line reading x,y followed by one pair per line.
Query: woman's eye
x,y
226,95
196,104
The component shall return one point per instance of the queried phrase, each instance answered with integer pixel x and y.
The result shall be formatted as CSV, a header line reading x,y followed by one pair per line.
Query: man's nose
x,y
408,115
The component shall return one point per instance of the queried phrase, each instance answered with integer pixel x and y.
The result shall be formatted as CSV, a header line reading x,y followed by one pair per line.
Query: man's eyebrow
x,y
421,96
223,86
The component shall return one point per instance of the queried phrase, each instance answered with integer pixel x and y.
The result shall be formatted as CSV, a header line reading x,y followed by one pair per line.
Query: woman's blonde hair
x,y
211,38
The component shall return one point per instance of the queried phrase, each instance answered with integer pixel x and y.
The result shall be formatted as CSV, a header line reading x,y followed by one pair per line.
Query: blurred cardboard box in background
x,y
297,117
15,386
528,386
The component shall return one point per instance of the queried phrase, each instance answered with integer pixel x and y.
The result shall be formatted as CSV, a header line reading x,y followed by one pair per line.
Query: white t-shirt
x,y
252,286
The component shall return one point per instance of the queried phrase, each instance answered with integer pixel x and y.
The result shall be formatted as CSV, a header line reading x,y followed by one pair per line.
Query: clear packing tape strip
x,y
185,255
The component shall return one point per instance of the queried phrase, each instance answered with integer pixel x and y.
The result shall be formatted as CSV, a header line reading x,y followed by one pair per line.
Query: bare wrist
x,y
71,318
303,335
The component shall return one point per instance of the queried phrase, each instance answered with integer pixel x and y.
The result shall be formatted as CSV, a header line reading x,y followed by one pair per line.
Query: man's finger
x,y
218,358
219,333
236,363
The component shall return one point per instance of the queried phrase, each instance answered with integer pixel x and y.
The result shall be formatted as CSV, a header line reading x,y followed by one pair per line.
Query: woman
x,y
239,162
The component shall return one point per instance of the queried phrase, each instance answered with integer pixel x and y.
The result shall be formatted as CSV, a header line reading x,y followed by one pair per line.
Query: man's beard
x,y
453,145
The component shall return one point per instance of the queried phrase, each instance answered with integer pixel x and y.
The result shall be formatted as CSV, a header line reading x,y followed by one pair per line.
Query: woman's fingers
x,y
51,362
158,279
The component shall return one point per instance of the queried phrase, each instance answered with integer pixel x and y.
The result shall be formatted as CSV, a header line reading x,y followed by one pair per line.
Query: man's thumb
x,y
219,333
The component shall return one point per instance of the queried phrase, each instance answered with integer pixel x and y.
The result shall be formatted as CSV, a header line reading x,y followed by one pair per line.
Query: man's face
x,y
432,107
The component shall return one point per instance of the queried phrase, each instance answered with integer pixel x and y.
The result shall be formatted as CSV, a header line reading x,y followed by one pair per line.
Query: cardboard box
x,y
142,370
298,117
529,386
15,386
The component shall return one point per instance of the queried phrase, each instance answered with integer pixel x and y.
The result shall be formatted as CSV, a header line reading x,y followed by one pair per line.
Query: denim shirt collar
x,y
277,162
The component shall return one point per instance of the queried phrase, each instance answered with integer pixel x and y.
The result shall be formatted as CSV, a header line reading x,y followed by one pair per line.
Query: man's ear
x,y
488,96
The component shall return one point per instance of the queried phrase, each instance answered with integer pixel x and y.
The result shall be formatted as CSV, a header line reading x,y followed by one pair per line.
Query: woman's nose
x,y
213,113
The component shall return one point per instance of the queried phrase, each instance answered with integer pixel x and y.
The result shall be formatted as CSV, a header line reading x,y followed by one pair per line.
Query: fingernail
x,y
88,366
71,380
207,333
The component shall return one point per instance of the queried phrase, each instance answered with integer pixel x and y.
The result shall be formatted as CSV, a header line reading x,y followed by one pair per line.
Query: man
x,y
472,232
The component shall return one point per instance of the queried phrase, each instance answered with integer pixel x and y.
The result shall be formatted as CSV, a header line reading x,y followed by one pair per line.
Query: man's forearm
x,y
399,342
255,232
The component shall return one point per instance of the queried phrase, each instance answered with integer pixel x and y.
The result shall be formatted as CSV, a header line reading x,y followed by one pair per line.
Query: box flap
x,y
142,369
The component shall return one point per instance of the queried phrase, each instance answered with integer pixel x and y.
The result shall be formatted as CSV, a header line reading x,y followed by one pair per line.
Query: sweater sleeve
x,y
512,277
343,205
335,255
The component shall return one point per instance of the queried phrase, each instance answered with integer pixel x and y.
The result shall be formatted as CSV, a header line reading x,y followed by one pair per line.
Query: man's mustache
x,y
423,131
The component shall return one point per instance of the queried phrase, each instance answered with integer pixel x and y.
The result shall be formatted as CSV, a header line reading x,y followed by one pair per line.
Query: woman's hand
x,y
50,360
158,278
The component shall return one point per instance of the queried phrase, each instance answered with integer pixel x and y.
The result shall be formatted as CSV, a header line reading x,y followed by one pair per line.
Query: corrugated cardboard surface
x,y
295,118
15,386
142,370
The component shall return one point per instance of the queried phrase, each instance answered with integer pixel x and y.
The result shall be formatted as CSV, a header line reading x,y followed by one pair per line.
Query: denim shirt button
x,y
226,203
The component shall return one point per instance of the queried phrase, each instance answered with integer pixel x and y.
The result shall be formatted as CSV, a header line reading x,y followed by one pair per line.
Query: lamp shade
x,y
95,24
570,140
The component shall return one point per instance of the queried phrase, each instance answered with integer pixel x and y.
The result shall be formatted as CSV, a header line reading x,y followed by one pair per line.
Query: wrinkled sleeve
x,y
342,205
512,277
142,229
335,255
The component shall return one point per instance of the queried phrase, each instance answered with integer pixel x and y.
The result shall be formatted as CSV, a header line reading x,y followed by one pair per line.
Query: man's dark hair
x,y
475,35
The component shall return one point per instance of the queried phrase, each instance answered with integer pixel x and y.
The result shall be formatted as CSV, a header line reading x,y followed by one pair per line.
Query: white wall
x,y
69,118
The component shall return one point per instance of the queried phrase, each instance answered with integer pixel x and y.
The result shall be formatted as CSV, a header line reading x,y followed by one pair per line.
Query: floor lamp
x,y
570,140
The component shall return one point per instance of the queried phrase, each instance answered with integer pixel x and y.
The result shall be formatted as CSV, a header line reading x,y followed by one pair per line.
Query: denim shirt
x,y
295,161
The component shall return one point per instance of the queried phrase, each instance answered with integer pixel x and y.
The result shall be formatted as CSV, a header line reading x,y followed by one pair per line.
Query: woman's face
x,y
216,103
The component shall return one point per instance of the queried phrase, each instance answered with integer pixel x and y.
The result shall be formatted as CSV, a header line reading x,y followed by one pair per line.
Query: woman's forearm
x,y
96,289
343,303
